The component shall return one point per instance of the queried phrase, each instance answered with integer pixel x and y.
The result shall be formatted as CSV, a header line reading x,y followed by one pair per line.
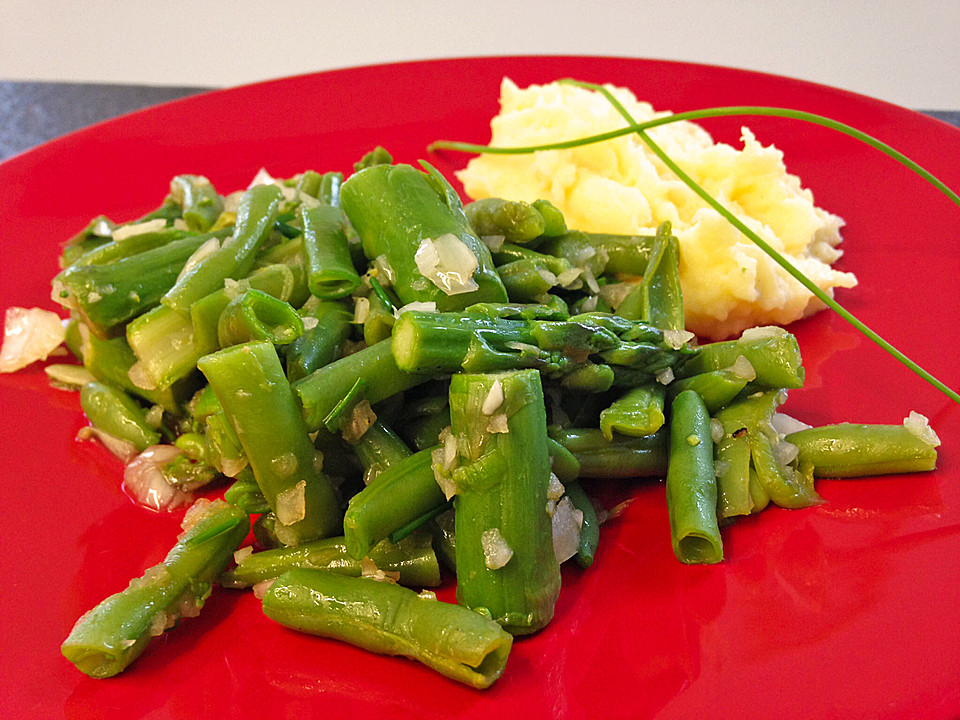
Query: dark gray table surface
x,y
33,112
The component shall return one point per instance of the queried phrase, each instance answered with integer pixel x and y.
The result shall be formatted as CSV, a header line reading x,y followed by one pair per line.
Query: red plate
x,y
845,610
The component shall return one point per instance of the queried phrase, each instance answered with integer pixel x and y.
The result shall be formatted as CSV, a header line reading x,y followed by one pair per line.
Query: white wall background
x,y
903,52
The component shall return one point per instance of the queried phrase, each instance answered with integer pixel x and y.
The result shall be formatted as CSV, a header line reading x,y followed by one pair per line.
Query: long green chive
x,y
640,129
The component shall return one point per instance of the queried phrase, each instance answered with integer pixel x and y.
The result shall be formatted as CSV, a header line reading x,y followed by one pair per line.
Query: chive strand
x,y
776,256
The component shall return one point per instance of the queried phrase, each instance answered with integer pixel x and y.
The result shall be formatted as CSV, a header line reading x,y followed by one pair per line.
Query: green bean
x,y
378,156
246,494
378,448
276,279
201,203
509,253
114,633
135,244
506,565
394,209
623,457
775,357
402,492
589,529
717,388
112,411
733,477
329,267
638,412
658,299
98,232
253,390
391,620
553,221
253,315
602,253
526,280
321,391
413,558
517,221
379,321
563,463
110,294
320,344
692,484
256,216
854,450
112,360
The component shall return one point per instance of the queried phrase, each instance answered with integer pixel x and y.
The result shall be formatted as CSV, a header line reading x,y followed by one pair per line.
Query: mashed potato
x,y
619,186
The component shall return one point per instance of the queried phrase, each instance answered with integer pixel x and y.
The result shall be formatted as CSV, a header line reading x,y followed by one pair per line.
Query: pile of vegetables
x,y
389,381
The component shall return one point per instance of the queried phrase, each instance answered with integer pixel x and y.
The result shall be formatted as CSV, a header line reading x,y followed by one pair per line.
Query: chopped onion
x,y
446,483
234,288
615,293
567,522
310,322
784,424
676,339
448,263
127,231
590,280
762,332
291,504
261,588
569,276
361,419
555,489
589,305
919,425
122,449
716,430
262,178
231,467
785,452
385,271
498,424
743,369
242,554
665,376
449,449
493,242
361,310
496,551
68,377
494,398
29,334
369,569
418,306
138,376
548,277
143,479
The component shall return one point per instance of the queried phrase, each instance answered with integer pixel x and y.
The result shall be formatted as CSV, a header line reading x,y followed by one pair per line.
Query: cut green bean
x,y
253,315
773,353
396,209
256,216
692,483
112,635
854,450
391,620
638,412
506,565
330,270
321,343
200,202
623,457
323,389
413,558
253,390
517,221
402,492
111,410
658,299
589,529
